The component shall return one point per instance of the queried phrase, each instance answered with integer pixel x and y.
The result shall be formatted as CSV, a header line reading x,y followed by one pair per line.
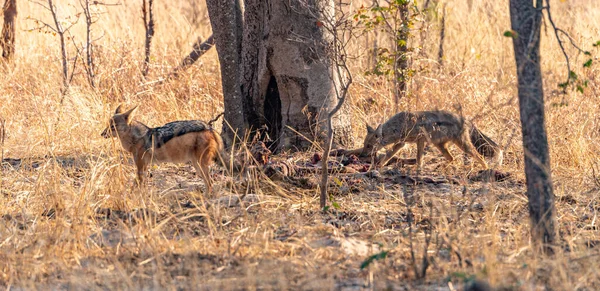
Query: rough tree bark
x,y
526,20
227,22
63,47
8,29
401,64
442,36
89,55
148,17
281,71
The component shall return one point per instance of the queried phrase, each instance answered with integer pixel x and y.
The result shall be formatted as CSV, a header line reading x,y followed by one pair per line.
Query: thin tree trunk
x,y
526,20
8,29
89,59
63,47
226,21
401,65
148,16
442,36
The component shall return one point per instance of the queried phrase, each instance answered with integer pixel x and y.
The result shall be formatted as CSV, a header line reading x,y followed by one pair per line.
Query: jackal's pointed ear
x,y
370,129
378,130
128,113
119,109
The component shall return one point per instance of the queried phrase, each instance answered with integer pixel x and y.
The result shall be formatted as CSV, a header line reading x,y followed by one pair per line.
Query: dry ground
x,y
71,220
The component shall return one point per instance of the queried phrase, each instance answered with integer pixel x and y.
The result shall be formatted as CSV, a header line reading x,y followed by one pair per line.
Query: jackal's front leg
x,y
141,166
390,154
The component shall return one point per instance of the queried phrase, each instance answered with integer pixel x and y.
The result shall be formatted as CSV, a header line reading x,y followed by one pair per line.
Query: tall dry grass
x,y
71,219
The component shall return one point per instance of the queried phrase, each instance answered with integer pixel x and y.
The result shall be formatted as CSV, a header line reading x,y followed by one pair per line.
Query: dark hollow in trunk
x,y
272,110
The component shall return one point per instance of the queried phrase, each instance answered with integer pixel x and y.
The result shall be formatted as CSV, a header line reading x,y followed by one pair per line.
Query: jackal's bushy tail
x,y
221,156
486,146
216,149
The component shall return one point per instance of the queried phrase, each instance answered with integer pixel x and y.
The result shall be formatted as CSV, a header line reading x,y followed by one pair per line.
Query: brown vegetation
x,y
71,219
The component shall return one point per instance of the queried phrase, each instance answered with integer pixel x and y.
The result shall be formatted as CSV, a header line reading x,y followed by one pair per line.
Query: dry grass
x,y
70,218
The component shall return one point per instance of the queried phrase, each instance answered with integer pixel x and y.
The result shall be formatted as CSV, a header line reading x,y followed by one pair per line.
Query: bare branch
x,y
199,49
39,3
560,43
107,4
571,40
338,55
63,50
45,25
557,33
89,59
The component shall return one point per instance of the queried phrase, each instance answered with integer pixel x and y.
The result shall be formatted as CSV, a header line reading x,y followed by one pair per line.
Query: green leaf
x,y
511,33
587,53
572,75
462,275
588,63
337,181
597,43
335,205
579,89
371,259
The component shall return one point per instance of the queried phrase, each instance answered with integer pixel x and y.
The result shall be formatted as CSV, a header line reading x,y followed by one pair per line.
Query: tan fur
x,y
199,148
437,127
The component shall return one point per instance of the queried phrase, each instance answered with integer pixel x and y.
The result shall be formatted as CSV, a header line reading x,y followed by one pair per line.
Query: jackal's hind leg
x,y
203,171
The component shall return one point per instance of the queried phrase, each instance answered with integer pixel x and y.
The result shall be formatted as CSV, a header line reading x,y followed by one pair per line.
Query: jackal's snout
x,y
109,131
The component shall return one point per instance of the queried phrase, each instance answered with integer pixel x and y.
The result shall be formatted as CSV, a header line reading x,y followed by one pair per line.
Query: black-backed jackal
x,y
191,141
436,127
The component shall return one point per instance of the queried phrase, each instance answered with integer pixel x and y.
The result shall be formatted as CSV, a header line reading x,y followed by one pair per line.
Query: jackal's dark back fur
x,y
162,135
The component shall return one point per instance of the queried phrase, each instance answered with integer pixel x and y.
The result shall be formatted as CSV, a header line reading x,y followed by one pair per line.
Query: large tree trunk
x,y
285,81
226,21
526,20
8,29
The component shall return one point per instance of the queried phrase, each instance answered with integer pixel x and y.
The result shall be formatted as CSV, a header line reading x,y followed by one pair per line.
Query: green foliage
x,y
339,183
461,275
511,33
576,82
379,256
389,19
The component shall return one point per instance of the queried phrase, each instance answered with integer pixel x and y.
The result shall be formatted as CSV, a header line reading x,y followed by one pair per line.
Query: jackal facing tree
x,y
436,127
178,142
